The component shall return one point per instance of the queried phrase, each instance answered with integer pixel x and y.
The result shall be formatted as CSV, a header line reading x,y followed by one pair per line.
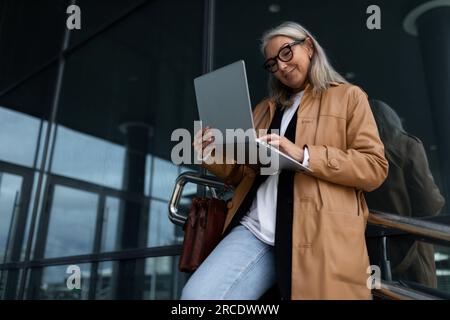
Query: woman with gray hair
x,y
302,233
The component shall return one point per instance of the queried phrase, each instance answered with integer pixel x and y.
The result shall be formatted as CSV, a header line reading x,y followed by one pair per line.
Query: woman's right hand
x,y
203,142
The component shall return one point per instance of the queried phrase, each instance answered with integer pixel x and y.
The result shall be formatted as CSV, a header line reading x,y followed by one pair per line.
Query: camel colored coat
x,y
329,255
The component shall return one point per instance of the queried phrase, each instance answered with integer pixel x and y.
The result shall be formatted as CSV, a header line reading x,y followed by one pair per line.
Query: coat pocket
x,y
338,199
345,248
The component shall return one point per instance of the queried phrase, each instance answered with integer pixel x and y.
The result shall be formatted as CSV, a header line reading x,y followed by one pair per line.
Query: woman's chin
x,y
296,83
298,86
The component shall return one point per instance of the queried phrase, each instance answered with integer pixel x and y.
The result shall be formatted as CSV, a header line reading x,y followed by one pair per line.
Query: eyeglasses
x,y
285,54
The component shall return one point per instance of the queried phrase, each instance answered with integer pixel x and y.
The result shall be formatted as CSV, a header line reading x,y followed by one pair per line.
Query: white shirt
x,y
261,217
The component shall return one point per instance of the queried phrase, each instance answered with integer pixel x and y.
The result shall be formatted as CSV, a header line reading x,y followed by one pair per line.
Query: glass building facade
x,y
86,118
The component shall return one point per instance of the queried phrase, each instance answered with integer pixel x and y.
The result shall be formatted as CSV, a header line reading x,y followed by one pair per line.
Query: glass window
x,y
24,113
110,221
120,94
10,191
162,279
419,265
58,283
116,114
99,13
148,175
161,229
88,158
442,260
163,179
3,277
104,287
71,228
27,130
31,35
125,87
29,215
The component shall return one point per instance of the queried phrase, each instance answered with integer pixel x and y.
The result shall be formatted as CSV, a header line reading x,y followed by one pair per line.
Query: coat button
x,y
333,163
229,204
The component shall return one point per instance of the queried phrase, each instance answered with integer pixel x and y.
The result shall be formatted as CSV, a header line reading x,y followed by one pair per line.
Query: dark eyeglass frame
x,y
289,45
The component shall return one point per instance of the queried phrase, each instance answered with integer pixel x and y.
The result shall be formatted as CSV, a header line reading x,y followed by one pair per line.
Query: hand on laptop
x,y
203,142
284,145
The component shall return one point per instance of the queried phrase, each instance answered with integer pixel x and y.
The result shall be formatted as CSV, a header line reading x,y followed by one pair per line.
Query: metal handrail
x,y
396,292
193,177
413,226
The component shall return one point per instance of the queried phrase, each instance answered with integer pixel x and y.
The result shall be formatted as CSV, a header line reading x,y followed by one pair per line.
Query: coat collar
x,y
272,105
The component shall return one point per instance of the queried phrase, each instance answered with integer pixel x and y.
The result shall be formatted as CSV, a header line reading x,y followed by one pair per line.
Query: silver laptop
x,y
223,102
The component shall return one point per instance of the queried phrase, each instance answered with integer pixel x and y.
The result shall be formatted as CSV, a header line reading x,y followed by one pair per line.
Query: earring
x,y
310,56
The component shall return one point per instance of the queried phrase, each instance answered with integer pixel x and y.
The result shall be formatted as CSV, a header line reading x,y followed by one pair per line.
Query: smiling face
x,y
293,73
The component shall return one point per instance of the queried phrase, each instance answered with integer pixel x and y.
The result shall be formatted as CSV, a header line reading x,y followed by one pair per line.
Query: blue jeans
x,y
241,267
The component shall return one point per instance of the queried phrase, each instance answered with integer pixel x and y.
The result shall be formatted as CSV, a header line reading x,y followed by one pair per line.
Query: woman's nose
x,y
281,64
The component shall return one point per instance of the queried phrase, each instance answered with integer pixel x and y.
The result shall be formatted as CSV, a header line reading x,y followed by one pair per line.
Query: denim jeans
x,y
241,267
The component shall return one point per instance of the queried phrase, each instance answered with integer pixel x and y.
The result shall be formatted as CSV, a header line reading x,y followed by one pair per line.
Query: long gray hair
x,y
320,73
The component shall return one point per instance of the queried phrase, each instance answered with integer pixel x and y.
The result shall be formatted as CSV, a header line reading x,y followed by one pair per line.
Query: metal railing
x,y
209,181
395,292
417,227
389,290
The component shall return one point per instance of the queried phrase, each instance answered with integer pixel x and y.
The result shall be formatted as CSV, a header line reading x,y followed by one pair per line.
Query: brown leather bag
x,y
203,231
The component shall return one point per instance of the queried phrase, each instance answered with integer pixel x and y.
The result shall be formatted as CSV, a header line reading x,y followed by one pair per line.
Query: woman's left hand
x,y
284,145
